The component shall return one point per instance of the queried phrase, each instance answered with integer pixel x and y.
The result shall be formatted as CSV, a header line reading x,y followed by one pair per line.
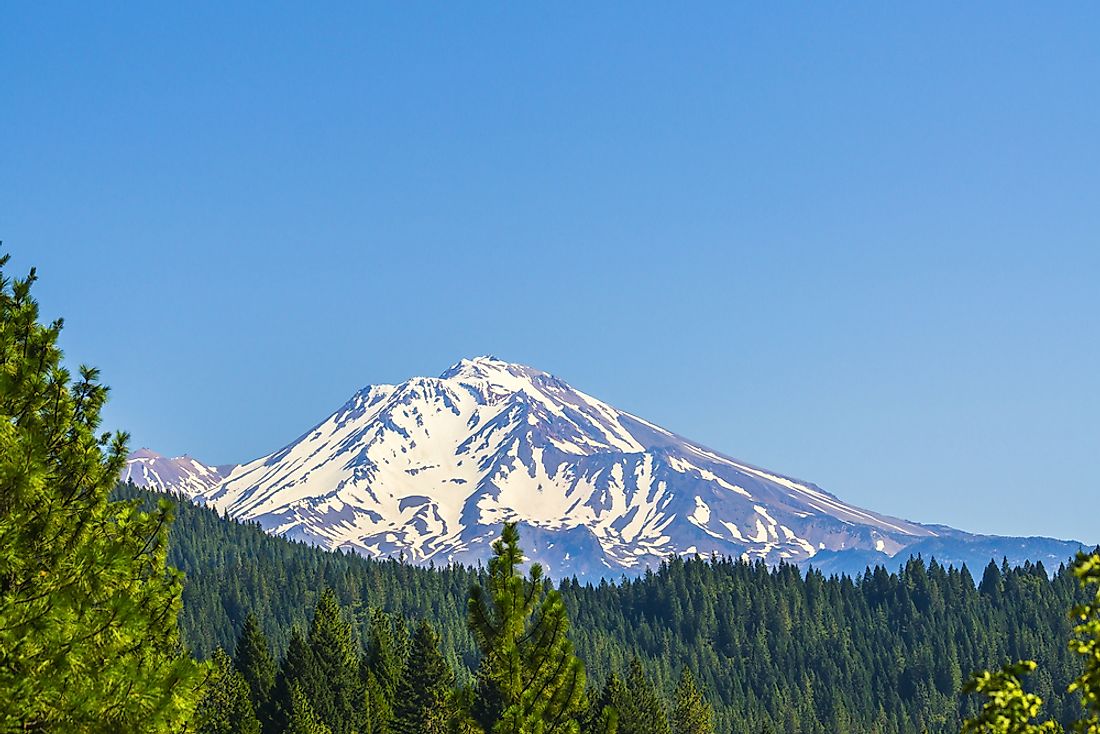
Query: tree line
x,y
773,649
528,680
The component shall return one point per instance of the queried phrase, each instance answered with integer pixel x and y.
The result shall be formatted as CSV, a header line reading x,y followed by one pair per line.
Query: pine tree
x,y
528,680
460,704
421,706
382,668
376,708
602,717
301,717
298,672
226,707
336,693
88,607
991,580
252,657
641,710
691,714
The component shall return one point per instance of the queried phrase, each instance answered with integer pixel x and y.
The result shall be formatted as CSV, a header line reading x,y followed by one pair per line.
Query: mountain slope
x,y
180,475
428,469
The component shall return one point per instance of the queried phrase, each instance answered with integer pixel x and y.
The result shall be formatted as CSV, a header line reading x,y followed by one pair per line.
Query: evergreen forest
x,y
772,649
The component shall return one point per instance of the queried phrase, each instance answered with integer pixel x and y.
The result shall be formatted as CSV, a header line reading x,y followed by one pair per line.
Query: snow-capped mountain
x,y
430,468
180,474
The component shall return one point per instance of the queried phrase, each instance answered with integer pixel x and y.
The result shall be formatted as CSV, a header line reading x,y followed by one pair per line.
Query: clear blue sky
x,y
859,244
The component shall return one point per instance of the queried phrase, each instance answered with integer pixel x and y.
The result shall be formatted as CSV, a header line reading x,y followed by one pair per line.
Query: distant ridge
x,y
180,474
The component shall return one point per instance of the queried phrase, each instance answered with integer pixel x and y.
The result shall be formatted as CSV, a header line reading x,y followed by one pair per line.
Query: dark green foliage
x,y
296,680
641,709
301,718
422,703
385,659
773,649
461,704
226,706
235,568
88,608
377,705
602,716
334,688
402,685
1009,709
252,657
528,680
691,714
320,676
805,653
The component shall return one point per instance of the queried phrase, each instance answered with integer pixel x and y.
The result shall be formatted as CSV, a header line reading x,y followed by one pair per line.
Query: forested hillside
x,y
775,651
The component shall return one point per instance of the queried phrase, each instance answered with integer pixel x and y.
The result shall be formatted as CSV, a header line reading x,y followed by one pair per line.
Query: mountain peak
x,y
483,363
493,370
428,469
